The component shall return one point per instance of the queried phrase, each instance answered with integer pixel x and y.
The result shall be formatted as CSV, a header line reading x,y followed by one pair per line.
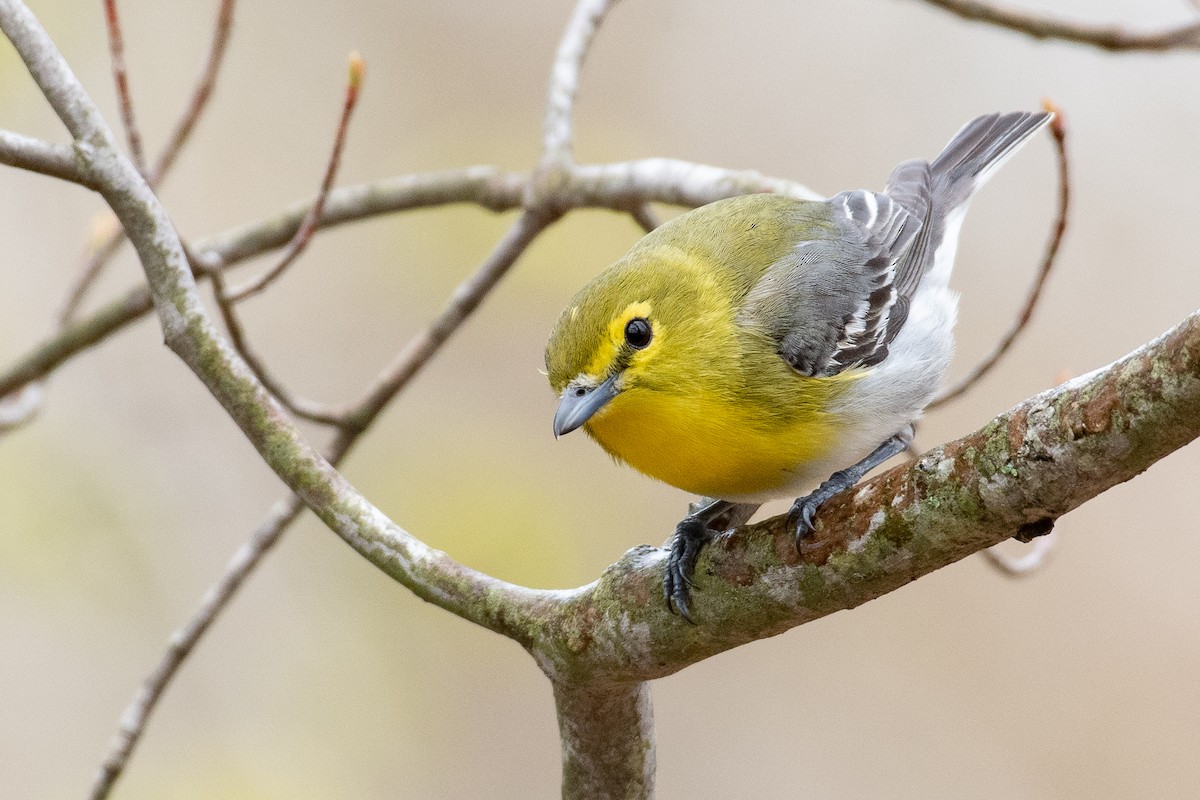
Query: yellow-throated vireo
x,y
754,347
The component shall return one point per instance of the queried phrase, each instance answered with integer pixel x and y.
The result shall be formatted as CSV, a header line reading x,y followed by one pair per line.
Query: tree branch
x,y
201,94
116,51
189,332
1041,26
35,155
184,639
607,734
303,235
104,250
620,186
564,79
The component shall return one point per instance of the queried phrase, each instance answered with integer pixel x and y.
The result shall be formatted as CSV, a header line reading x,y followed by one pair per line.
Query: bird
x,y
763,346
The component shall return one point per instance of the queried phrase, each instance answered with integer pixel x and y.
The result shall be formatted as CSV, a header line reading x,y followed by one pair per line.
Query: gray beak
x,y
579,403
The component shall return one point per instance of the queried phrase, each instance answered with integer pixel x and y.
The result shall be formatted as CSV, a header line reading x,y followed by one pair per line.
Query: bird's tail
x,y
937,192
977,151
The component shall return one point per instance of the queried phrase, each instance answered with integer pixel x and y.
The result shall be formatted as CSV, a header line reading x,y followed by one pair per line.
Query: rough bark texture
x,y
607,734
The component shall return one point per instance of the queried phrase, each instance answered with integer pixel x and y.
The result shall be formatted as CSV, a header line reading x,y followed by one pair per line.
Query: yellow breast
x,y
706,445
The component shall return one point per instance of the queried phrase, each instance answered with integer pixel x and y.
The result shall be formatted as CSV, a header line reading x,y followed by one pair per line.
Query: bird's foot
x,y
800,517
691,534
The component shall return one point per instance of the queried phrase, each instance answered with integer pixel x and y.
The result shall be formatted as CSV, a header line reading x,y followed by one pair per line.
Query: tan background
x,y
123,501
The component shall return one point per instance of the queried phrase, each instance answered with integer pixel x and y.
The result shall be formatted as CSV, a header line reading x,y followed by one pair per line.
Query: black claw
x,y
691,534
800,517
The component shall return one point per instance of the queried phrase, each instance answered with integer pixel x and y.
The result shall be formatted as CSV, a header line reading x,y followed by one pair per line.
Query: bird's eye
x,y
638,333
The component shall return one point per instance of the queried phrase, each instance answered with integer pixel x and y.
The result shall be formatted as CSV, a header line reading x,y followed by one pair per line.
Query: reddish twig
x,y
200,95
116,49
299,406
106,248
304,234
1040,26
1059,133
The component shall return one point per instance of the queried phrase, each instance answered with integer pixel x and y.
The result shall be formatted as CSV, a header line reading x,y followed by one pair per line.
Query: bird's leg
x,y
801,515
691,534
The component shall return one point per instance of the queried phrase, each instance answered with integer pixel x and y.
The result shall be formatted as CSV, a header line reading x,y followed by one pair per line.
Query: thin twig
x,y
1031,560
98,255
463,301
1041,26
564,78
201,94
104,250
299,406
46,158
18,408
184,639
488,187
644,215
116,50
304,234
1059,133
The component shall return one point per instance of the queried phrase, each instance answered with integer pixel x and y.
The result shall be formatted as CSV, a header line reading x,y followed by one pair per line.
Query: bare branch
x,y
20,407
299,406
1041,26
985,365
35,155
626,184
313,218
564,79
100,251
644,215
104,250
116,50
465,299
387,386
1030,561
189,332
486,186
589,186
184,639
201,94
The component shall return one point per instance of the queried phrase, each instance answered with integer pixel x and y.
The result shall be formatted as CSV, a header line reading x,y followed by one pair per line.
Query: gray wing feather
x,y
828,303
835,304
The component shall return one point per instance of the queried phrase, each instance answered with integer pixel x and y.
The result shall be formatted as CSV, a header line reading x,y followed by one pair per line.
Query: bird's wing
x,y
837,302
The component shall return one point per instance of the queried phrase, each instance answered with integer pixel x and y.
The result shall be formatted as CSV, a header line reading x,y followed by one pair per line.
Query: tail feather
x,y
937,192
977,151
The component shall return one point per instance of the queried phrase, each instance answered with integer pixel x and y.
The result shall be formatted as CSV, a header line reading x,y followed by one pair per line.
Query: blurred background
x,y
122,502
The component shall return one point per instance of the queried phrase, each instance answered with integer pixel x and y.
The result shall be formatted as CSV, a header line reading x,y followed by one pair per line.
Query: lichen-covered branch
x,y
607,735
1014,477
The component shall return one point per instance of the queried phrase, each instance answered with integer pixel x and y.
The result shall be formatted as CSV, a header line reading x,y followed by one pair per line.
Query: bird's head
x,y
660,323
609,339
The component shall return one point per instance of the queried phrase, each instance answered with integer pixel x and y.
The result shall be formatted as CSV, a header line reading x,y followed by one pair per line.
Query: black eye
x,y
638,333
